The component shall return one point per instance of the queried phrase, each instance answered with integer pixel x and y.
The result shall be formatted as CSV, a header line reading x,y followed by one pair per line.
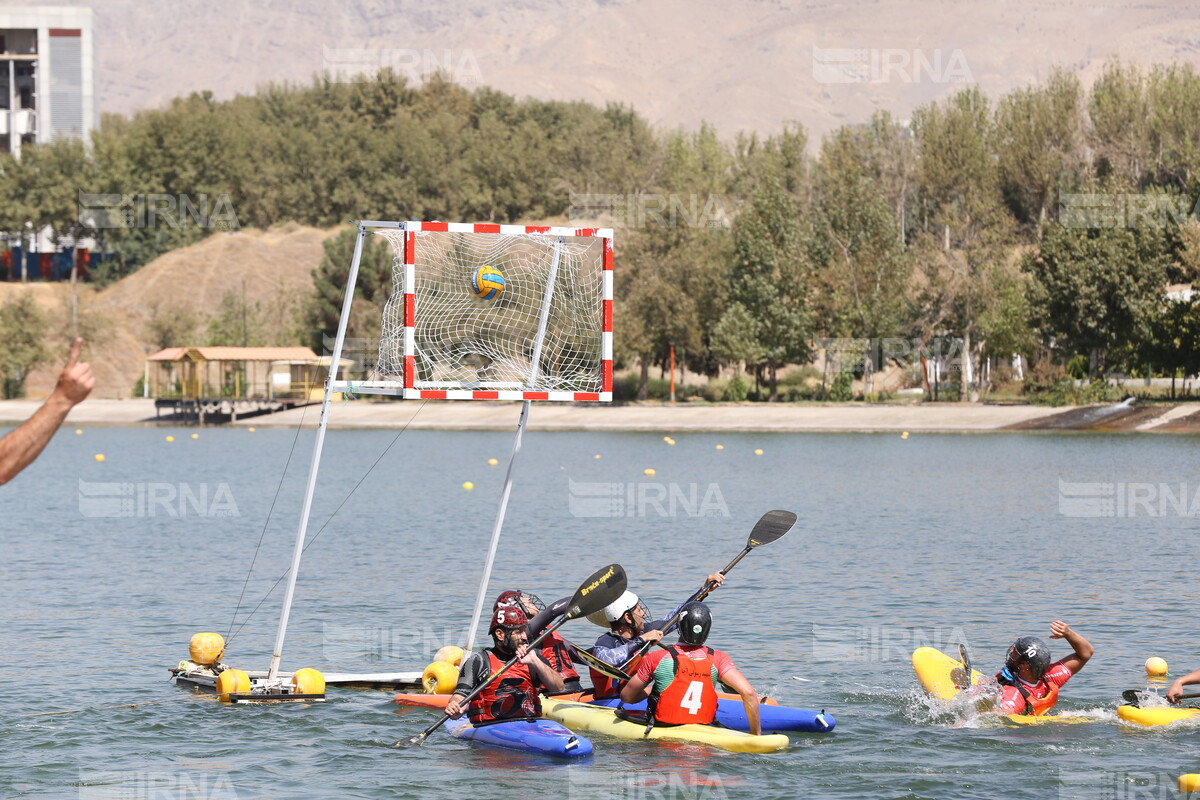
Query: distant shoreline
x,y
665,418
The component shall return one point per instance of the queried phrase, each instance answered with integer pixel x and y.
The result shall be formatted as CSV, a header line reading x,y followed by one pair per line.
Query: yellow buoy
x,y
492,462
758,452
596,456
251,430
232,681
309,681
440,677
78,432
649,471
99,456
468,485
170,438
904,435
206,648
1189,783
451,654
195,436
1156,666
720,447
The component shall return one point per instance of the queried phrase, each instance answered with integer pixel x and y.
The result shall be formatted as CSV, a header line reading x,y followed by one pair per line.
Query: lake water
x,y
109,568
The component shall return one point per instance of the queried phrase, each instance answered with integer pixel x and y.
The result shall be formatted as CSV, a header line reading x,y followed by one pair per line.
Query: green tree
x,y
769,279
23,332
1095,289
1038,139
1118,134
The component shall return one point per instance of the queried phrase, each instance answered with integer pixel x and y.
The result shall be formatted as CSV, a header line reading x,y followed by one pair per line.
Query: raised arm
x,y
21,446
1082,647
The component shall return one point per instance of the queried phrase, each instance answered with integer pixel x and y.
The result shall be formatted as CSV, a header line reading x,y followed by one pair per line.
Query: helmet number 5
x,y
693,697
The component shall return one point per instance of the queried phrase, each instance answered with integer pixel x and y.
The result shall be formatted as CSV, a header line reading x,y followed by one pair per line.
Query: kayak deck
x,y
1157,715
537,736
597,719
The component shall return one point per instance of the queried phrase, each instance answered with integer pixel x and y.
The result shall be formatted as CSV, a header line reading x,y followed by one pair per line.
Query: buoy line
x,y
313,538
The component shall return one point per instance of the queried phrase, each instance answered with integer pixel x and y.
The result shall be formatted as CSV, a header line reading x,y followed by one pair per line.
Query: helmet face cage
x,y
519,598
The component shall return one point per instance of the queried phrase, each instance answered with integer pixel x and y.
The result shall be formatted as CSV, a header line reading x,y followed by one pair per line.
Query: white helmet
x,y
614,610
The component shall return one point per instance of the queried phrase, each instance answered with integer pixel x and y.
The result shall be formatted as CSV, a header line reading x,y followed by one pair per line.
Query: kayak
x,y
936,671
731,714
1156,715
538,736
598,719
730,711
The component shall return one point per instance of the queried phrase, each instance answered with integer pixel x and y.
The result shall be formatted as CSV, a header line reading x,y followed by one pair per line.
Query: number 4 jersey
x,y
684,681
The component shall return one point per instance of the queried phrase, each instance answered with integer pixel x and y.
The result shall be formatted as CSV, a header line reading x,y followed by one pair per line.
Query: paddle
x,y
601,588
962,677
771,526
1134,697
604,669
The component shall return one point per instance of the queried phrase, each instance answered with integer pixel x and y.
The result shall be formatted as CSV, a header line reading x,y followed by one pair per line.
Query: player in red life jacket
x,y
627,618
515,694
681,680
1029,683
556,651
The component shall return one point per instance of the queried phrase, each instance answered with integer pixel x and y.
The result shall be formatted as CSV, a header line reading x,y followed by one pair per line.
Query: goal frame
x,y
407,388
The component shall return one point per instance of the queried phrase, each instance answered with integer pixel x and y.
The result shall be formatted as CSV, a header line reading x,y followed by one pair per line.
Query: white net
x,y
465,342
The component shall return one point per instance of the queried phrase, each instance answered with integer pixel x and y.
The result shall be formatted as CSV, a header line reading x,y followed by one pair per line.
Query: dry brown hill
x,y
270,262
740,64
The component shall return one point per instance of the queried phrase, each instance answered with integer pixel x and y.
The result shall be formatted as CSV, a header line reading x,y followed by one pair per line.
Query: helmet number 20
x,y
693,697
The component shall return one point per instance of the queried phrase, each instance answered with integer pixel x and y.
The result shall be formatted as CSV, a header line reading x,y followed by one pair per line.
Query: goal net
x,y
541,330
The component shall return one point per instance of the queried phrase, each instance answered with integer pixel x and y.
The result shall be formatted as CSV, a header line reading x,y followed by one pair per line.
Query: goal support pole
x,y
481,594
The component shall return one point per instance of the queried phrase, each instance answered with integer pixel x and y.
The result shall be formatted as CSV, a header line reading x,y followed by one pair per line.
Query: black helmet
x,y
694,622
1032,651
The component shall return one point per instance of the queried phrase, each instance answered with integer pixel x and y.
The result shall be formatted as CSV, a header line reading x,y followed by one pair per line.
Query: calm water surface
x,y
901,543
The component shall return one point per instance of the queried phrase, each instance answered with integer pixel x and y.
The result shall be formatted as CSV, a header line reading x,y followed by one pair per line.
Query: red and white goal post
x,y
546,334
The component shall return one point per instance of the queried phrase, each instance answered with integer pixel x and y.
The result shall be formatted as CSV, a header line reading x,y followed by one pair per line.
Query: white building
x,y
47,75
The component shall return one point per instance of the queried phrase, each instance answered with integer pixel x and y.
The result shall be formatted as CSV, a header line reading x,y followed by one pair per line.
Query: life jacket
x,y
557,653
690,697
513,696
1034,706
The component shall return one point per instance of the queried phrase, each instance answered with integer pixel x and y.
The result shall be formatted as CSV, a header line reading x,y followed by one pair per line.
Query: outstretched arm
x,y
1082,647
1176,689
635,691
20,447
734,679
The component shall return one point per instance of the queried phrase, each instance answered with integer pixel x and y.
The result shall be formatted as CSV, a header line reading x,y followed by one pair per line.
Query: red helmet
x,y
508,618
518,598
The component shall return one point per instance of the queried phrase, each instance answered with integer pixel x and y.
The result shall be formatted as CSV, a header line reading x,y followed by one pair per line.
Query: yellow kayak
x,y
935,672
1156,715
597,719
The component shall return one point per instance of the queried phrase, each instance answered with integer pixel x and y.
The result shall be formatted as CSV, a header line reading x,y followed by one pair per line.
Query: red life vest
x,y
558,655
604,687
512,696
1035,706
690,697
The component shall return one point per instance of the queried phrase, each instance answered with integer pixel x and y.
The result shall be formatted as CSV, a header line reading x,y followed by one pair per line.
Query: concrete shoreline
x,y
782,418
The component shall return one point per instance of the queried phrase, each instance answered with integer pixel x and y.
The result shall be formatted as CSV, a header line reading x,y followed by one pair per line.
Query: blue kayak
x,y
732,714
540,736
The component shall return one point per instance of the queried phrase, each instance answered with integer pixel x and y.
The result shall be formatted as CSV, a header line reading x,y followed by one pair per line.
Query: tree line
x,y
1047,223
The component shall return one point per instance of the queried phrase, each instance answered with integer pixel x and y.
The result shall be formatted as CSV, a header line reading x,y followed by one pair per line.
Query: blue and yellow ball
x,y
487,283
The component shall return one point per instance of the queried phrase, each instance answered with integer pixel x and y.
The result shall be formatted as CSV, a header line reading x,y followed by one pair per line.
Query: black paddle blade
x,y
601,589
772,526
411,741
1142,698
